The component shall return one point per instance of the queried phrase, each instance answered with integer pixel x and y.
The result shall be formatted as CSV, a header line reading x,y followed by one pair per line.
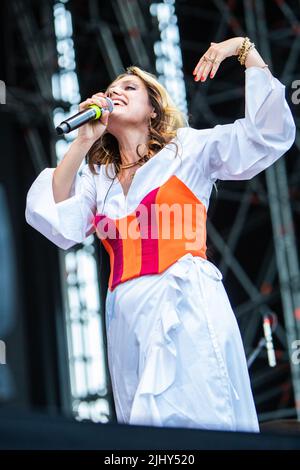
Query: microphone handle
x,y
72,123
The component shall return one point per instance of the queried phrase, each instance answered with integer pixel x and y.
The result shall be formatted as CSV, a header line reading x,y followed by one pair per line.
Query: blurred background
x,y
55,54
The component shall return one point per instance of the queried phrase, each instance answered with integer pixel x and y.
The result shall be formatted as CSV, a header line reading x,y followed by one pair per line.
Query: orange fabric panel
x,y
182,224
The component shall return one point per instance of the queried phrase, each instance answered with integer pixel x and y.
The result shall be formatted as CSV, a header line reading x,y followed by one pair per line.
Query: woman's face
x,y
131,104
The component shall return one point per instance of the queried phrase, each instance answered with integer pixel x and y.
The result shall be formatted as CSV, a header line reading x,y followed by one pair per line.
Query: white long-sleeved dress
x,y
175,352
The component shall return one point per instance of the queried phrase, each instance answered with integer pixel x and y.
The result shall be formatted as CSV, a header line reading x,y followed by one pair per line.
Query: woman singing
x,y
175,352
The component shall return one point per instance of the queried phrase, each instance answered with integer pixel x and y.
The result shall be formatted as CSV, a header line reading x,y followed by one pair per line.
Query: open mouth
x,y
118,103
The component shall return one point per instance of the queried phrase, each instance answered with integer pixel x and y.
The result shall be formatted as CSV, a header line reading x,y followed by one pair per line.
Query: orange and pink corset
x,y
169,222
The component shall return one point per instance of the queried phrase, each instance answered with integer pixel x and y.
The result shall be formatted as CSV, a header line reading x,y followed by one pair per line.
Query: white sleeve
x,y
67,222
244,148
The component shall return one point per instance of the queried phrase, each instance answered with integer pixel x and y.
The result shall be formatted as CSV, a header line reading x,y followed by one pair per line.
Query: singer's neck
x,y
128,143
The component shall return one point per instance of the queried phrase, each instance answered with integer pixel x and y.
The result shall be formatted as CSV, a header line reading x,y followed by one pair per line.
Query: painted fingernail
x,y
211,75
202,78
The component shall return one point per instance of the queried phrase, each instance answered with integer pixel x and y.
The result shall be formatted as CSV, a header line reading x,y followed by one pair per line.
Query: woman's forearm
x,y
253,59
64,174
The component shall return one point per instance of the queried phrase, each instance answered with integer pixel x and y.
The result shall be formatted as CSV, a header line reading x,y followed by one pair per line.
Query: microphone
x,y
93,112
267,327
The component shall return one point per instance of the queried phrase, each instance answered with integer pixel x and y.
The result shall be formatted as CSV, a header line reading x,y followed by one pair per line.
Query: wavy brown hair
x,y
162,128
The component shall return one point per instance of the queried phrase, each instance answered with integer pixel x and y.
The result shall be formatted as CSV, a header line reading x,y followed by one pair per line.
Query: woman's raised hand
x,y
210,61
93,130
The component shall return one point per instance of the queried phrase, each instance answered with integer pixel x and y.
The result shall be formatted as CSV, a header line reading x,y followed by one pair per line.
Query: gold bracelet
x,y
244,58
243,55
243,46
243,51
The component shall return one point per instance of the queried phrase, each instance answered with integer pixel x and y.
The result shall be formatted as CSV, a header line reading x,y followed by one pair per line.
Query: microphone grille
x,y
110,104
